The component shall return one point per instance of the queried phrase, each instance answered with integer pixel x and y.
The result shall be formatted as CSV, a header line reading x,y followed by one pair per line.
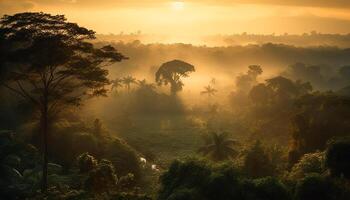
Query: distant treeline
x,y
229,61
302,40
307,39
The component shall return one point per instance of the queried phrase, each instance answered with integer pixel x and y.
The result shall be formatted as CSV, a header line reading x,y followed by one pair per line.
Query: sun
x,y
178,5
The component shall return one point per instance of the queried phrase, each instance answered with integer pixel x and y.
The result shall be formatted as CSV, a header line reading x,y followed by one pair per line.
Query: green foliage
x,y
219,147
309,163
197,179
86,162
338,158
257,162
103,178
184,180
126,182
123,157
52,64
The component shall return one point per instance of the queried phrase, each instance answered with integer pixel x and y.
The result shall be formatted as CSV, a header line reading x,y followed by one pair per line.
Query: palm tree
x,y
116,83
219,147
209,90
144,85
128,80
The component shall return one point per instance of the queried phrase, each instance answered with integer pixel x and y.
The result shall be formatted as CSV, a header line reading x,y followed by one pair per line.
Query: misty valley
x,y
92,116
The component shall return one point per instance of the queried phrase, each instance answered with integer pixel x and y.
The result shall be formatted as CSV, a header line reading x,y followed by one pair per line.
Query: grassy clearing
x,y
162,138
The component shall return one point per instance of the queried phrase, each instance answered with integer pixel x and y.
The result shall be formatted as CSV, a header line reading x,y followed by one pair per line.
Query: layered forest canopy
x,y
86,118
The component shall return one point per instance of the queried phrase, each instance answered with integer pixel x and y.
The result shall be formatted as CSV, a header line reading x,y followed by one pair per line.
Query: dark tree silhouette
x,y
260,94
171,73
287,89
128,80
219,147
52,64
117,83
321,117
254,70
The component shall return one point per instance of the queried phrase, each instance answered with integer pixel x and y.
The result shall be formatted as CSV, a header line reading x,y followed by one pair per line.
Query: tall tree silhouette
x,y
53,65
219,147
128,80
171,73
117,83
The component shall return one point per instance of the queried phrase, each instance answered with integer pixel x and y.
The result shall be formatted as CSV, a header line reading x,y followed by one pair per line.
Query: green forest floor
x,y
162,139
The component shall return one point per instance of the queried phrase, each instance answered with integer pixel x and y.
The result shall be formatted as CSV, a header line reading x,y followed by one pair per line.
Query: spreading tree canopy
x,y
52,63
171,73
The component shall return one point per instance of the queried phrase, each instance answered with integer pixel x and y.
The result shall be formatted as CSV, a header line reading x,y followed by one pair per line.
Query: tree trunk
x,y
173,88
44,132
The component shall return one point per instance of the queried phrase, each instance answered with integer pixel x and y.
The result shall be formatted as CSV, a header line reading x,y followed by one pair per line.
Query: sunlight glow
x,y
178,5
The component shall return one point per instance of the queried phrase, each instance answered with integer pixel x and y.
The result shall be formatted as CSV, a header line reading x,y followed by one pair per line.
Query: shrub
x,y
199,179
123,157
86,162
103,178
309,163
126,182
184,179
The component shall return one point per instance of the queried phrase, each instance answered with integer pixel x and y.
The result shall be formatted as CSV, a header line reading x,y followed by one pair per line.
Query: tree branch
x,y
14,90
26,94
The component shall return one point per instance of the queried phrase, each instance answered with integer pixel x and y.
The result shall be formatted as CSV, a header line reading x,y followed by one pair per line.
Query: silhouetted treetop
x,y
171,72
45,44
36,24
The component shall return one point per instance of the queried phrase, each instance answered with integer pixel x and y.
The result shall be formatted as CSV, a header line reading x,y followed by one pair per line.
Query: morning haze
x,y
175,100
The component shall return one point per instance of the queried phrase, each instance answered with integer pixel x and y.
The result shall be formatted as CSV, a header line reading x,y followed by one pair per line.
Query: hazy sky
x,y
196,17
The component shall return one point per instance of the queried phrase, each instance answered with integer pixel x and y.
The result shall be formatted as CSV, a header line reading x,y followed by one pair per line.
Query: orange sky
x,y
196,17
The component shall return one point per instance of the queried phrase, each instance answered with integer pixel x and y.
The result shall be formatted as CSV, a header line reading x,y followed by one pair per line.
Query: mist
x,y
173,115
